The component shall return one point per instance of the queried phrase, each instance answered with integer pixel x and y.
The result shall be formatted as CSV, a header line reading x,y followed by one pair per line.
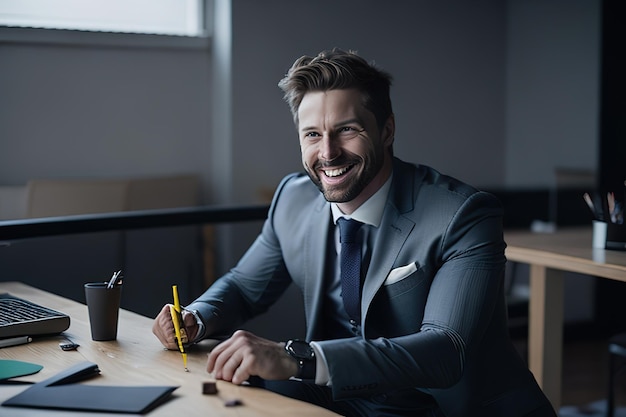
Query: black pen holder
x,y
609,235
616,236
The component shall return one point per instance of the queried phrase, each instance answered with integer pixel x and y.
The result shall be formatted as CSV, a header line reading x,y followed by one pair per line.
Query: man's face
x,y
342,148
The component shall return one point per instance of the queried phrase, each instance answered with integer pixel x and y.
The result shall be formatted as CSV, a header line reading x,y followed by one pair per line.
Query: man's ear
x,y
389,131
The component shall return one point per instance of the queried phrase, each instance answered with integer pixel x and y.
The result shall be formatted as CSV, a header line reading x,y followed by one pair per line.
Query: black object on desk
x,y
25,318
62,392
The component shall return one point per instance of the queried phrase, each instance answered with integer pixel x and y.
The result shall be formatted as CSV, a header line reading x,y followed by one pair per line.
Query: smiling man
x,y
344,151
401,269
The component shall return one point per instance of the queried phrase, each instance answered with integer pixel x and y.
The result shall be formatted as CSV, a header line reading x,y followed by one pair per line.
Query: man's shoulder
x,y
296,191
430,184
297,183
295,201
423,176
431,177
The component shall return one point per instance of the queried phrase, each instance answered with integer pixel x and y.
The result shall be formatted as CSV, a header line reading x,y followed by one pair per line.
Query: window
x,y
88,21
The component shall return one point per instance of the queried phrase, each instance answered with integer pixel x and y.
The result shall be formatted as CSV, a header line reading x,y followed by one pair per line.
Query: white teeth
x,y
336,172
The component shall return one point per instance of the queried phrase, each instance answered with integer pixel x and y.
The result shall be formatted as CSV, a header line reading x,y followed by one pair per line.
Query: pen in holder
x,y
609,230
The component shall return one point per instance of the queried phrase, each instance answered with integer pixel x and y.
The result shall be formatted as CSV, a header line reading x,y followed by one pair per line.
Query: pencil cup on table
x,y
609,230
599,234
103,304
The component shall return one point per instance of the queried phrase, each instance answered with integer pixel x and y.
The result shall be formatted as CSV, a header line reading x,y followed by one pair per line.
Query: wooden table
x,y
136,358
549,256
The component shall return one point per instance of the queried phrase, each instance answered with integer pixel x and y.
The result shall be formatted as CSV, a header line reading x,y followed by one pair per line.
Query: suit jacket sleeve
x,y
254,284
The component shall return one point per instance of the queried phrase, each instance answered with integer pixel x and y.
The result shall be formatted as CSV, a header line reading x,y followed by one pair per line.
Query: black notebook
x,y
62,392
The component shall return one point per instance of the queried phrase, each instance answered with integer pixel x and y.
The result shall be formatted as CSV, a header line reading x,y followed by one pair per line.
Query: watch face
x,y
300,349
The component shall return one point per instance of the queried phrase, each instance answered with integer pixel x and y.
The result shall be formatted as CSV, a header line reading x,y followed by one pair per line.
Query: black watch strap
x,y
306,370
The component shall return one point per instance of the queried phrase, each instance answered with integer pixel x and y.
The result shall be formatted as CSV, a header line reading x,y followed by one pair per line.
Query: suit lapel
x,y
314,262
393,231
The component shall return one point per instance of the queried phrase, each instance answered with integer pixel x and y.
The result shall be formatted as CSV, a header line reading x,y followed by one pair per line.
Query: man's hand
x,y
163,328
244,355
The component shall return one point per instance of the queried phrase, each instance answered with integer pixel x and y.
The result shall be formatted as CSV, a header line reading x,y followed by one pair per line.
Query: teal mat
x,y
13,369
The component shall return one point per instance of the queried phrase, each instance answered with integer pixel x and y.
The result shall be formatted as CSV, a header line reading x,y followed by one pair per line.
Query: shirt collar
x,y
371,211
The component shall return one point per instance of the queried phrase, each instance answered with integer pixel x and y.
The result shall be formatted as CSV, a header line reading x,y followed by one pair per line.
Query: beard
x,y
348,191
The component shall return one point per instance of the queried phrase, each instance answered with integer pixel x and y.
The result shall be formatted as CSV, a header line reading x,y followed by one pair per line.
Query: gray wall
x,y
448,62
80,111
552,85
482,91
497,93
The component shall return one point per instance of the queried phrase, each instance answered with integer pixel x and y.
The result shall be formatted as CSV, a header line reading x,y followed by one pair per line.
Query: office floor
x,y
585,374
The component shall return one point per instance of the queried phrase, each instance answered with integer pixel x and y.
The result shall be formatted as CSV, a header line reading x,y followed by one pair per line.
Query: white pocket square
x,y
400,273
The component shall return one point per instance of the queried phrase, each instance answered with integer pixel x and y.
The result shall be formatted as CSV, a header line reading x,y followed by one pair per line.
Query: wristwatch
x,y
304,355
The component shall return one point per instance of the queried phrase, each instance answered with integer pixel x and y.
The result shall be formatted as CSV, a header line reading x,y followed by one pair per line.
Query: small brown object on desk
x,y
209,388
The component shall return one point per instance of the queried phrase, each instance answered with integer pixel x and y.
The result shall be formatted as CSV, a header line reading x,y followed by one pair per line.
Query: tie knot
x,y
348,229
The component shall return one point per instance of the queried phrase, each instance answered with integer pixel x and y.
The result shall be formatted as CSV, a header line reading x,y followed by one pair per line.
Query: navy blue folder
x,y
62,392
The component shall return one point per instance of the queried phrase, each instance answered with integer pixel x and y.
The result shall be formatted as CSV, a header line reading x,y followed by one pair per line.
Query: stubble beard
x,y
349,191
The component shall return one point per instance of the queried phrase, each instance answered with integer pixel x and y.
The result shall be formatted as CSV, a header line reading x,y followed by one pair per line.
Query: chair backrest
x,y
49,198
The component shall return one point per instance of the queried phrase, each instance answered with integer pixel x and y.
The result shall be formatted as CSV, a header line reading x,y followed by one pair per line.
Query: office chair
x,y
617,364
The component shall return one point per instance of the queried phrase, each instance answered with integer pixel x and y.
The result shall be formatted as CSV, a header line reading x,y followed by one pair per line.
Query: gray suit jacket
x,y
435,325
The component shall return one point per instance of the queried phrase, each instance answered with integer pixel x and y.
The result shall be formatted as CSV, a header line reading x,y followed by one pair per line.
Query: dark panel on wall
x,y
612,164
611,309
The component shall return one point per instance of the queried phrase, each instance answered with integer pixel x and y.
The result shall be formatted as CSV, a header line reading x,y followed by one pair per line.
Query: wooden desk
x,y
136,358
549,256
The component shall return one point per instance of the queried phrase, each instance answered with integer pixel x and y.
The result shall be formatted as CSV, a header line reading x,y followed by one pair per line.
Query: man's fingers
x,y
225,358
241,372
231,366
163,328
191,327
245,354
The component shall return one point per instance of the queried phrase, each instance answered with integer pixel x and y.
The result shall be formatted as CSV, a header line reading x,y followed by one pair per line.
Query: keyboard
x,y
19,317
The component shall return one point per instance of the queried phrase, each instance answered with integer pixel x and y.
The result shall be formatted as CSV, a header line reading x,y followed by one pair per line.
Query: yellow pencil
x,y
175,311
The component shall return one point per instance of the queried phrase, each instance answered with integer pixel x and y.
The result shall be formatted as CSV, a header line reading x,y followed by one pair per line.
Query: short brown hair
x,y
336,70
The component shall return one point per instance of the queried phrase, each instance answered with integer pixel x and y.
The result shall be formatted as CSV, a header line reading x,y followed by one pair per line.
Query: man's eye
x,y
312,136
349,131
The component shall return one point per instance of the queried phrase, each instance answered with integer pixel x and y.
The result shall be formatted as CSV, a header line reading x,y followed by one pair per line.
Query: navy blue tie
x,y
350,264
